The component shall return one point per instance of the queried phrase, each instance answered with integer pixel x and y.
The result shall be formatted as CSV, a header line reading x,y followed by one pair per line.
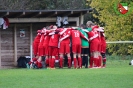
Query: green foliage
x,y
117,28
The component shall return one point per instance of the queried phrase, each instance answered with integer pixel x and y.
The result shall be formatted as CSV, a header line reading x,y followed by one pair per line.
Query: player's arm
x,y
52,32
85,30
93,37
89,29
63,38
65,29
81,35
74,27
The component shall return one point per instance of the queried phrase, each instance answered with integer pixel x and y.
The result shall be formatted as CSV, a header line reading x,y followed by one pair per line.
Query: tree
x,y
41,4
117,28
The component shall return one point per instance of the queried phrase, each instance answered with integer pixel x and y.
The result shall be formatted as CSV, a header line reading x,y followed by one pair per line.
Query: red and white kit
x,y
64,46
36,43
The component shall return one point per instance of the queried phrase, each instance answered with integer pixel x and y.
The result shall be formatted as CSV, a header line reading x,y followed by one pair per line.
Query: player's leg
x,y
61,60
99,55
50,56
99,60
103,54
104,59
79,56
40,54
69,60
61,52
67,51
74,50
86,51
95,57
54,53
91,59
82,56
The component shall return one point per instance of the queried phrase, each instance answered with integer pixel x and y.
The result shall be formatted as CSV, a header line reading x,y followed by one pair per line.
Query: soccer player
x,y
36,43
45,45
94,46
103,47
85,45
35,48
53,46
64,46
41,49
76,46
99,30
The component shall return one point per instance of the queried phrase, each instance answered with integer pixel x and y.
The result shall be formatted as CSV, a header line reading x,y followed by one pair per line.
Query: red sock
x,y
80,62
61,62
99,61
39,65
69,62
95,61
53,63
75,62
91,61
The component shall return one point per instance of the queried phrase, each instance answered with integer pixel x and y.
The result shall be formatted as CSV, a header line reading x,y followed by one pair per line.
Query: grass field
x,y
117,74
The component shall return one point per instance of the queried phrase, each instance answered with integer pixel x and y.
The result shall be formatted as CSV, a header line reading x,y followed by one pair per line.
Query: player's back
x,y
75,34
37,38
66,33
46,39
54,39
92,34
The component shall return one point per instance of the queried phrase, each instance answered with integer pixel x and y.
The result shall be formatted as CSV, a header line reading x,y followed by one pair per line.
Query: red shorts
x,y
35,48
76,48
40,51
46,49
94,46
53,51
103,48
64,48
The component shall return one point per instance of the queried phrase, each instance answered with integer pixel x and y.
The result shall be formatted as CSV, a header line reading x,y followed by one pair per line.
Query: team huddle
x,y
86,43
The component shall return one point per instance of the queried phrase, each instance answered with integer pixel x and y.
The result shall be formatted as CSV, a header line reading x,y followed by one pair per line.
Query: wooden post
x,y
15,45
31,40
81,18
77,21
0,48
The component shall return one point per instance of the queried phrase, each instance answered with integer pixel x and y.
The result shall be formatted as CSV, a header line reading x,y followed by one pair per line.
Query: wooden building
x,y
13,45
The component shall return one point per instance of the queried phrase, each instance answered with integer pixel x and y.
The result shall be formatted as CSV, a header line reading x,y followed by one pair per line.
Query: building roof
x,y
42,13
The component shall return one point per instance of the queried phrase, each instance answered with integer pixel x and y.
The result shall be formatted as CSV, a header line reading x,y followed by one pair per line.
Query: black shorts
x,y
85,51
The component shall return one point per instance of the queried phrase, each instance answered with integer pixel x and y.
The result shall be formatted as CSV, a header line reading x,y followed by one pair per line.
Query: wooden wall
x,y
23,43
7,43
7,47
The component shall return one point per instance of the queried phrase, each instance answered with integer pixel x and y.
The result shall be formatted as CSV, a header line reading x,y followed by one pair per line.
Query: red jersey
x,y
93,36
46,39
54,39
103,41
67,32
76,34
37,38
41,40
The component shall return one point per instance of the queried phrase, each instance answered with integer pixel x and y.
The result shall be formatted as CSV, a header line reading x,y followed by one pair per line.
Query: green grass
x,y
117,74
